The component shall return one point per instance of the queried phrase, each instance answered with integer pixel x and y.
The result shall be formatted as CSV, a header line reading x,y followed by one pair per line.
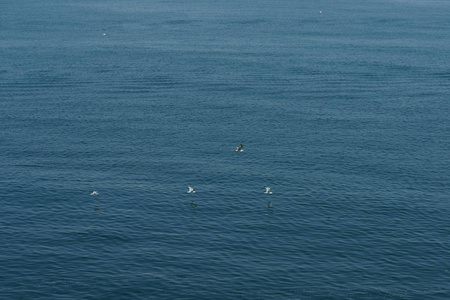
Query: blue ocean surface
x,y
343,108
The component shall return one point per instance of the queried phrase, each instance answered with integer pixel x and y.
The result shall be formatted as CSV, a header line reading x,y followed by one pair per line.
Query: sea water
x,y
342,108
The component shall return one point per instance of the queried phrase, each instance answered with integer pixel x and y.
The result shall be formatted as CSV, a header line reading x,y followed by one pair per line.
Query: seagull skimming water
x,y
268,190
191,190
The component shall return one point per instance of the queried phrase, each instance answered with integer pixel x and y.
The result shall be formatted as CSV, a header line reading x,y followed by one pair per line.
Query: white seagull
x,y
95,193
268,190
240,148
191,190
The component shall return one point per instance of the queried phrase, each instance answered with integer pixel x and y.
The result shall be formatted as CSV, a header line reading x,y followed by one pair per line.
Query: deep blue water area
x,y
342,108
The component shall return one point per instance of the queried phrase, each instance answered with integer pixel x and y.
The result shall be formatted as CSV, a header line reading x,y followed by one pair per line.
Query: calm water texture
x,y
345,114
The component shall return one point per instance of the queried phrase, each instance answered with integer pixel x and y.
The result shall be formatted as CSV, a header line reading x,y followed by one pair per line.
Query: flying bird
x,y
268,190
191,189
239,148
95,193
